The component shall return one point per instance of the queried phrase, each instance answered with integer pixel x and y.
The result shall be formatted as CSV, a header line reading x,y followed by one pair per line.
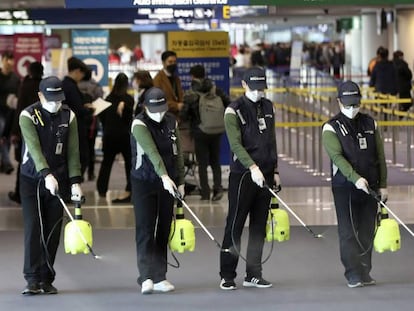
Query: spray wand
x,y
376,197
293,213
181,199
77,227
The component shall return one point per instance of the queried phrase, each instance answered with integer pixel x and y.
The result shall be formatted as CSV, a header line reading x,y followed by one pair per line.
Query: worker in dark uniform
x,y
354,145
250,129
50,165
157,173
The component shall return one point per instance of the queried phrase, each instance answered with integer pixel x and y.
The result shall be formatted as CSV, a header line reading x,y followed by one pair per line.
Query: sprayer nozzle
x,y
318,236
97,257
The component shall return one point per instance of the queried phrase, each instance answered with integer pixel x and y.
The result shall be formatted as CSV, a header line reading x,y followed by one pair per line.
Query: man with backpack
x,y
204,106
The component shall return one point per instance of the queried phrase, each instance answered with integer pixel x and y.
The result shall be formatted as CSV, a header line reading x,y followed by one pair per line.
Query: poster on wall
x,y
51,42
91,46
28,48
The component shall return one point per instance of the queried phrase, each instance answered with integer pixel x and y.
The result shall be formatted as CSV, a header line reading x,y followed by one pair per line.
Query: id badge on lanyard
x,y
362,142
262,124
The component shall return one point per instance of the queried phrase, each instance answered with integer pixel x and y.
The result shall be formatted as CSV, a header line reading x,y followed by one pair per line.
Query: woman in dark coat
x,y
116,123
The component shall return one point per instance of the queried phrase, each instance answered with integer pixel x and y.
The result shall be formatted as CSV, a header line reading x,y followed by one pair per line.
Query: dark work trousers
x,y
405,106
245,198
36,259
153,207
207,149
92,132
83,145
361,208
110,149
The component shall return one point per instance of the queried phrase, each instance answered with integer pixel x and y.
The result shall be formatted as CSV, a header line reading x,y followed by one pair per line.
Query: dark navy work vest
x,y
357,138
164,136
53,132
260,144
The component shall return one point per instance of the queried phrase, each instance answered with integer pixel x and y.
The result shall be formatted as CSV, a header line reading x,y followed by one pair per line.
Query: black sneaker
x,y
355,282
367,280
217,196
48,288
32,288
256,282
228,284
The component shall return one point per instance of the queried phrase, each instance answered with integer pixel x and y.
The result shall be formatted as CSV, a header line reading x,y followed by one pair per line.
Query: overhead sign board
x,y
84,4
328,2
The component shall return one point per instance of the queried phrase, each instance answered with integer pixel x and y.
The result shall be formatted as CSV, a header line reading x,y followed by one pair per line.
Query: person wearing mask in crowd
x,y
168,81
9,86
404,77
157,174
74,99
28,94
50,167
91,91
354,144
141,82
116,124
207,145
250,128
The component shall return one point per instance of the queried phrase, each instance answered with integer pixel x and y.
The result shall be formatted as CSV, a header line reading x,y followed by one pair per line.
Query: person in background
x,y
157,174
207,145
9,86
374,60
138,53
355,146
27,95
91,91
250,128
168,81
141,82
384,75
50,167
74,99
404,77
116,123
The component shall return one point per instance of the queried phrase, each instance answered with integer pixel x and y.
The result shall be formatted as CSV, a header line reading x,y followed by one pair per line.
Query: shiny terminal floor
x,y
305,271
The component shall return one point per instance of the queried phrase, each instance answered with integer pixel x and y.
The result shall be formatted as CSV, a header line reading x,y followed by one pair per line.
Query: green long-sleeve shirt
x,y
144,138
333,147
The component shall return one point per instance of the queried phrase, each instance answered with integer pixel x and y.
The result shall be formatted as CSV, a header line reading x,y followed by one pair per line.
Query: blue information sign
x,y
91,46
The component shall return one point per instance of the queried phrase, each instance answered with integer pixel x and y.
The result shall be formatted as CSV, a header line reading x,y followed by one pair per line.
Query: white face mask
x,y
255,95
52,107
349,111
155,116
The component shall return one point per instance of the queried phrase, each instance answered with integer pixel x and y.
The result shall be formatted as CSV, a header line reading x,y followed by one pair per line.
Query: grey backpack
x,y
211,110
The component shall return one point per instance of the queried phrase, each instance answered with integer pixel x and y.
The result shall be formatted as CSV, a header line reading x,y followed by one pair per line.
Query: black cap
x,y
255,78
51,88
349,93
155,100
